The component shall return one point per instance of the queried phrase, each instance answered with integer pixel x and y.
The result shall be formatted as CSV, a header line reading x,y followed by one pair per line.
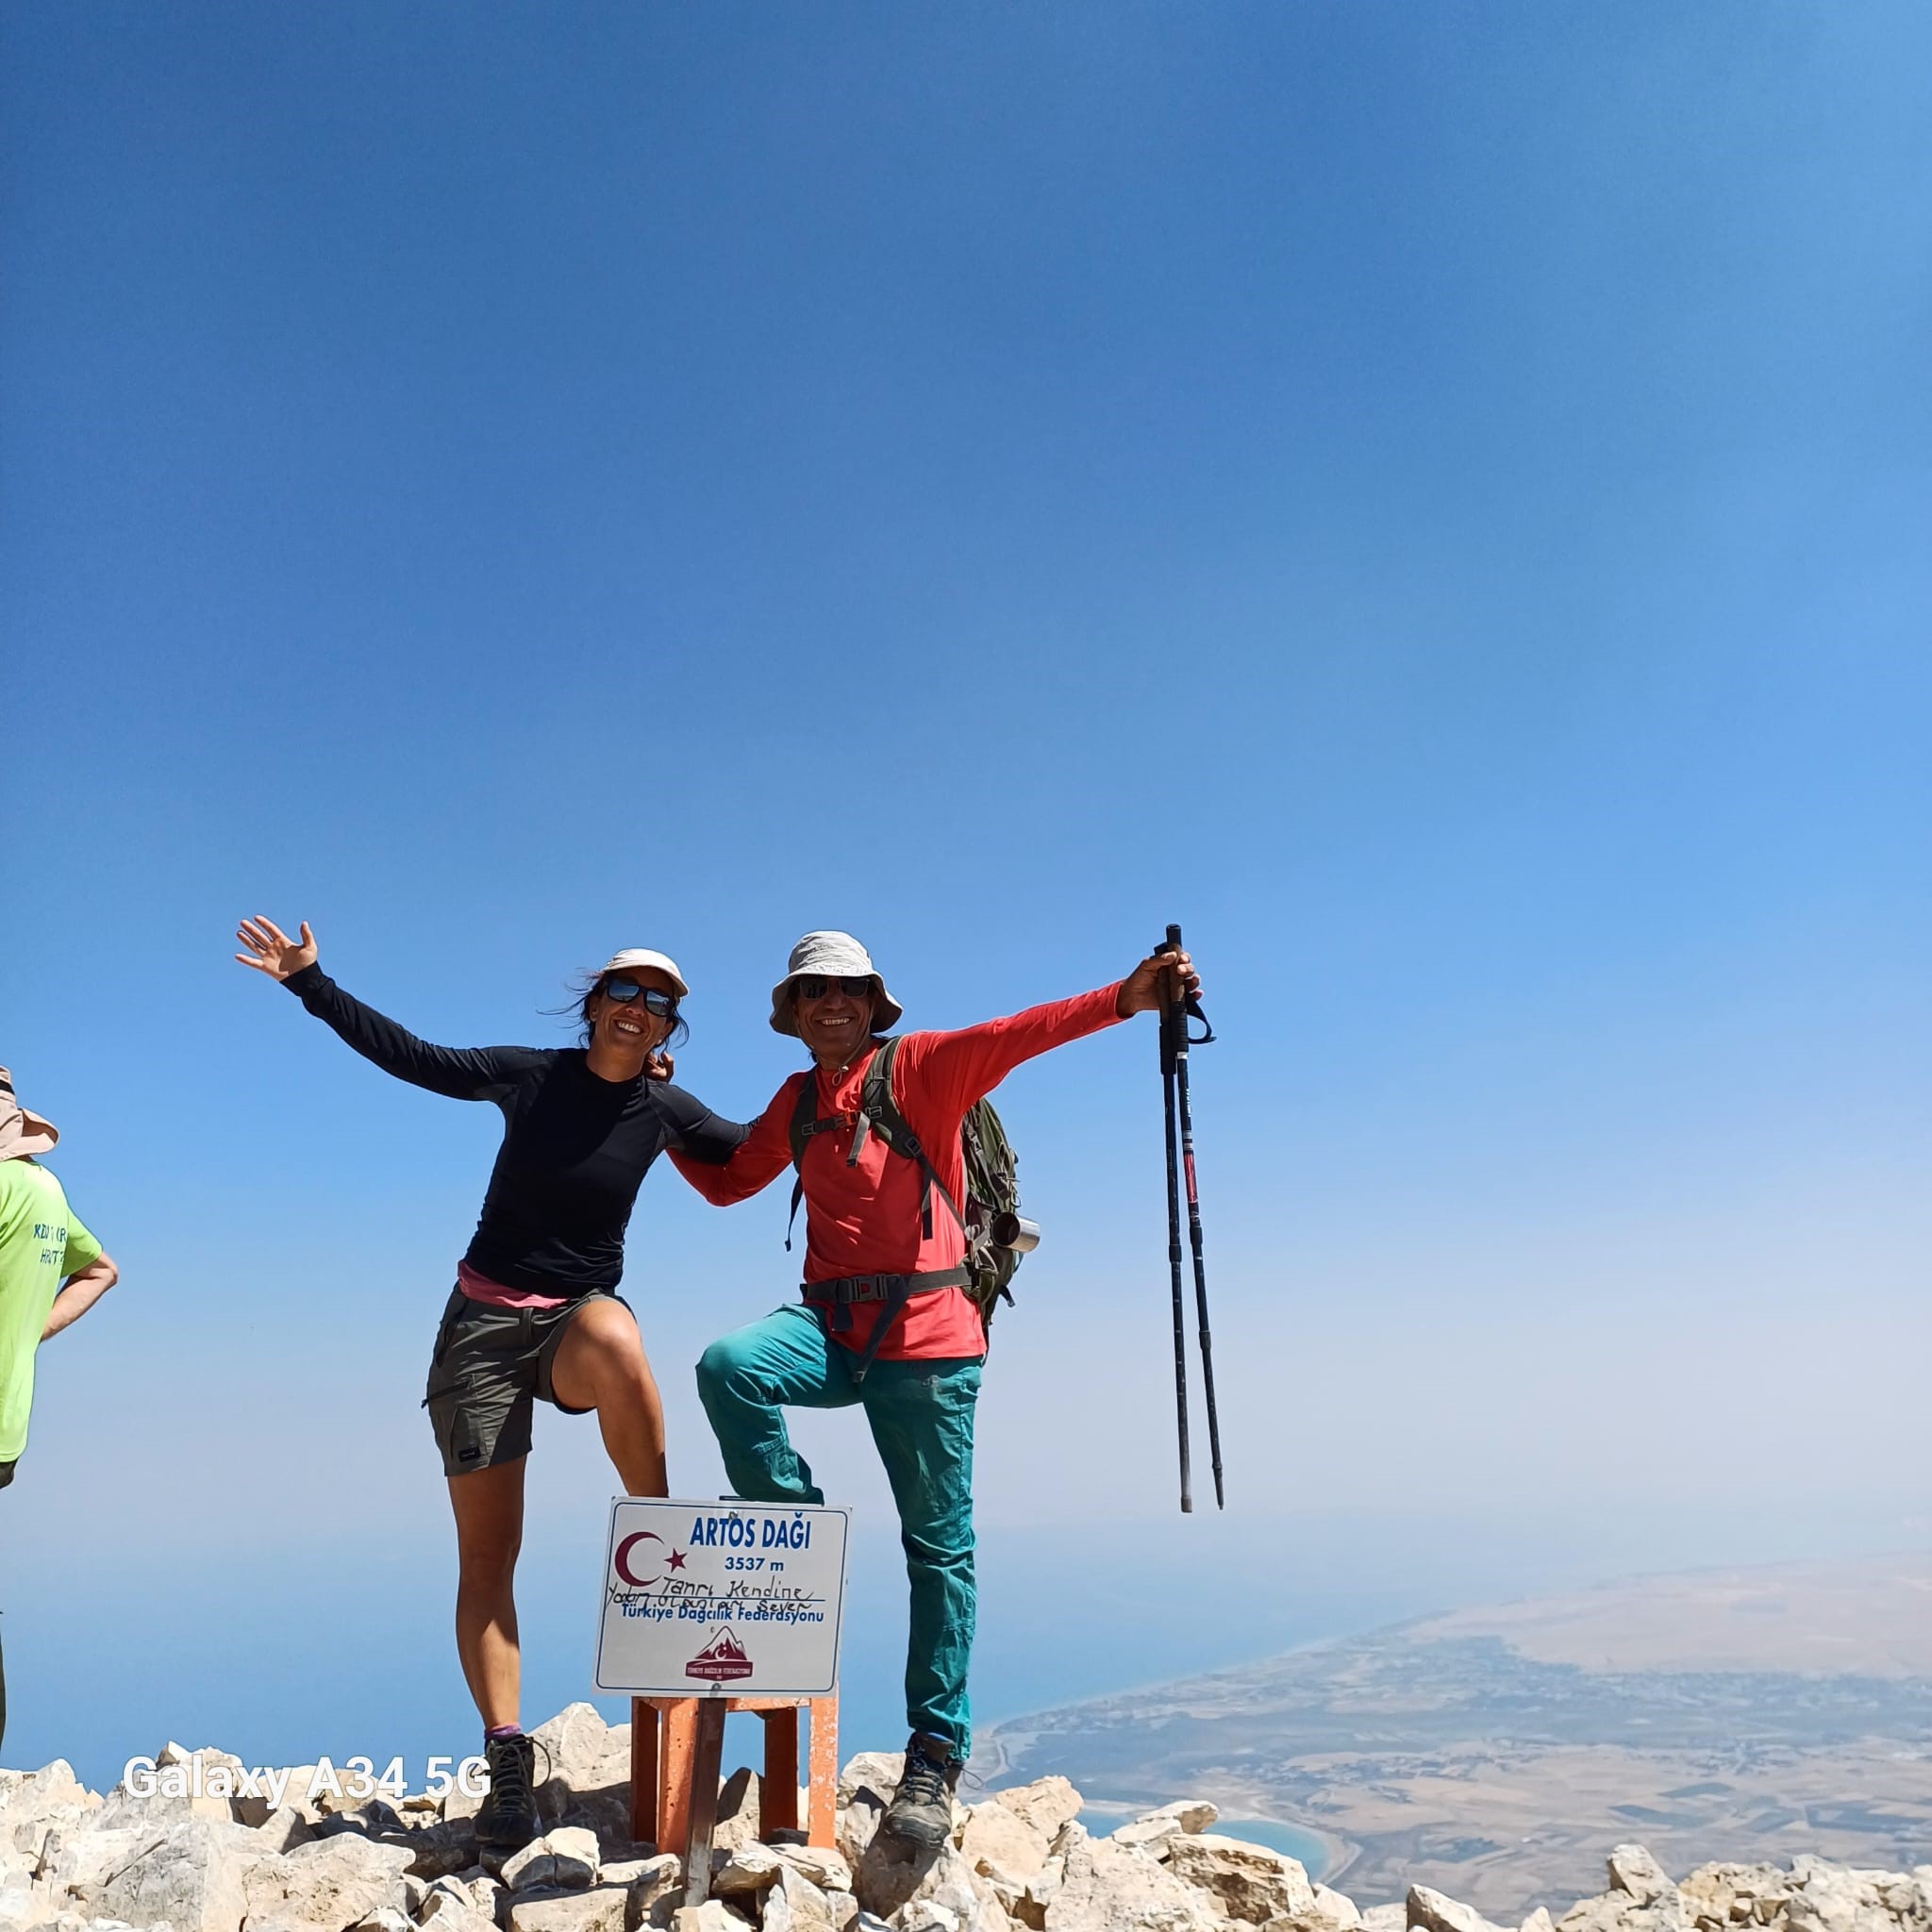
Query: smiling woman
x,y
535,1315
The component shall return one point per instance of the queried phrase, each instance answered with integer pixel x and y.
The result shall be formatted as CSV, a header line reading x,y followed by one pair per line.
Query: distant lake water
x,y
1101,1817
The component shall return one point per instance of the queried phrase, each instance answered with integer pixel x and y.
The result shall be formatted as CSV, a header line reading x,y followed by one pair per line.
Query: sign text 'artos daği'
x,y
736,1597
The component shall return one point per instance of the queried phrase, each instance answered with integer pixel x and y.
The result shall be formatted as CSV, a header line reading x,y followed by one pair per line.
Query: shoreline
x,y
1338,1853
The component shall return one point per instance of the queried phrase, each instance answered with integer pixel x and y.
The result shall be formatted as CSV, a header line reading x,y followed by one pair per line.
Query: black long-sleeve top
x,y
576,1148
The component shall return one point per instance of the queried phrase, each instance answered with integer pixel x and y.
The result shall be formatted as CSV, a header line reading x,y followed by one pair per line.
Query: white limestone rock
x,y
1435,1911
1195,1814
564,1859
872,1770
795,1904
714,1915
329,1882
1251,1882
997,1838
1149,1834
1634,1871
1046,1803
1103,1887
601,1908
192,1876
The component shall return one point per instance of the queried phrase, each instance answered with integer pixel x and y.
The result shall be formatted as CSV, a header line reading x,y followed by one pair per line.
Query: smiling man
x,y
884,1320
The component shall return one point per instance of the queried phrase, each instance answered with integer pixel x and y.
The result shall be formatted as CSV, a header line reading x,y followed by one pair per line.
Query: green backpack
x,y
993,1181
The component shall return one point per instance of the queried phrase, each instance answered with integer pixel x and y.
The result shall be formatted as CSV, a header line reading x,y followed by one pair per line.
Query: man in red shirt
x,y
884,1321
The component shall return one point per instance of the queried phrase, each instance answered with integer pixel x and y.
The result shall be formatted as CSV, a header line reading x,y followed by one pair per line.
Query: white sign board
x,y
729,1598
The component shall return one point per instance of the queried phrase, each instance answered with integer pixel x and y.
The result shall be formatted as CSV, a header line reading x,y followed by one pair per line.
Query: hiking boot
x,y
921,1808
507,1818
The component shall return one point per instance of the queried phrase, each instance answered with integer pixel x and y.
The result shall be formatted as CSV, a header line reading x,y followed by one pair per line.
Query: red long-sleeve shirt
x,y
864,1219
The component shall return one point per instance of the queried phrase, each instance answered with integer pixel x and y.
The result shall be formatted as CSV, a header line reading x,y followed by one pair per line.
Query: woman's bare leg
x,y
600,1364
488,1505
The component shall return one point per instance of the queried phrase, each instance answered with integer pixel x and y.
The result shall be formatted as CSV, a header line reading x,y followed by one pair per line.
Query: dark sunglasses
x,y
662,1004
815,986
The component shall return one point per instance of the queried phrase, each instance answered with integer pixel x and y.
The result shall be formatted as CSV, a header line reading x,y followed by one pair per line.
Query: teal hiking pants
x,y
921,1415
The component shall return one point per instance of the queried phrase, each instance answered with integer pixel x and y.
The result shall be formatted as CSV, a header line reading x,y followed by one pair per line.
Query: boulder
x,y
892,1875
1386,1919
998,1836
858,1823
450,1910
1435,1911
1249,1881
328,1882
748,1869
564,1859
1195,1814
738,1812
714,1915
1539,1921
1103,1887
283,1830
1334,1911
1046,1803
601,1908
1634,1871
192,1876
872,1770
1149,1834
795,1904
386,1919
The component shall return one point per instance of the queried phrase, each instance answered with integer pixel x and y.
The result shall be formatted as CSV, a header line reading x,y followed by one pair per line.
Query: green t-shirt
x,y
41,1243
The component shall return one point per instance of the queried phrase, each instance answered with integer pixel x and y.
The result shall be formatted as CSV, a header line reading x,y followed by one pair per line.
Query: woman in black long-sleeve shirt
x,y
535,1313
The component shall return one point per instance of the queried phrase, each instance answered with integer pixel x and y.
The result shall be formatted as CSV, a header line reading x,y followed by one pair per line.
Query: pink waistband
x,y
479,1288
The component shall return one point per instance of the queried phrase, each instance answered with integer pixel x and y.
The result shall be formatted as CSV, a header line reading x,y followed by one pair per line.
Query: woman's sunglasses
x,y
663,1006
814,985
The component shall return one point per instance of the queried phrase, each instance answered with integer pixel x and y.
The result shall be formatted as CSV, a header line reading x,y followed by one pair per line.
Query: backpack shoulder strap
x,y
804,1123
879,1111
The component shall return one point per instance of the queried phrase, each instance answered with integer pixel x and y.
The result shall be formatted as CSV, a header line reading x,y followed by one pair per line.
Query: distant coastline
x,y
1335,1852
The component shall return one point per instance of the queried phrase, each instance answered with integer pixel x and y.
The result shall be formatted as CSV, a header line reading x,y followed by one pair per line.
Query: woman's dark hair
x,y
585,989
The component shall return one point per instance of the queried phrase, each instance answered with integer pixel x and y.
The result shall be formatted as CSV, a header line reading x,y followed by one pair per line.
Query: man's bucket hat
x,y
22,1131
632,957
838,956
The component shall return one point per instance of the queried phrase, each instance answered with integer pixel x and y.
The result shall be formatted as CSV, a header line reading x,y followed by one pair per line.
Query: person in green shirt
x,y
43,1244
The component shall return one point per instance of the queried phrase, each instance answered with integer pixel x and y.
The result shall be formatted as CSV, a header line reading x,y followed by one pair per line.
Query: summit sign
x,y
703,1598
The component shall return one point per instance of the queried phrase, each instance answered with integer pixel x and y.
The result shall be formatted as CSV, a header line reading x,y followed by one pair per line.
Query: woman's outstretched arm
x,y
460,1073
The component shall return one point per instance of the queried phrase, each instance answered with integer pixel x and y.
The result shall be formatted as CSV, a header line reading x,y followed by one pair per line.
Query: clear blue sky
x,y
1434,498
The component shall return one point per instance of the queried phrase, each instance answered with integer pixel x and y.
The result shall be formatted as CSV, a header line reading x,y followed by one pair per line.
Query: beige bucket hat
x,y
22,1131
633,958
838,956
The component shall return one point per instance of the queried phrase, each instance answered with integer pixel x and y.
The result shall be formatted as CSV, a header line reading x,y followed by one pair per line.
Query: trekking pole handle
x,y
1190,1006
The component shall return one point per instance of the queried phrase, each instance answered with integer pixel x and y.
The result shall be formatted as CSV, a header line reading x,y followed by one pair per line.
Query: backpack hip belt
x,y
835,1299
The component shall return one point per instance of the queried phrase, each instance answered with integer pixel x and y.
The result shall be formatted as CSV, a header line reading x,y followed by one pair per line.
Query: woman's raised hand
x,y
270,950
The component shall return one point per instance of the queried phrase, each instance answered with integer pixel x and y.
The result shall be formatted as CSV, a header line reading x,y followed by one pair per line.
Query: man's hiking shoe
x,y
507,1818
921,1808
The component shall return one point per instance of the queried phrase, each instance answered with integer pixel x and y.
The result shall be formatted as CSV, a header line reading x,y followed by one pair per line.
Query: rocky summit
x,y
216,1848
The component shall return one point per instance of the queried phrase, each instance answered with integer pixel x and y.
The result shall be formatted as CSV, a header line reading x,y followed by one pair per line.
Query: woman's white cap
x,y
838,956
633,956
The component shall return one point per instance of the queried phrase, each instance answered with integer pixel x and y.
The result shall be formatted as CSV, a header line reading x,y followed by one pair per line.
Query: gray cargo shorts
x,y
488,1366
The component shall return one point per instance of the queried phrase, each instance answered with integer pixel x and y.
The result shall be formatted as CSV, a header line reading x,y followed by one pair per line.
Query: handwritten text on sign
x,y
739,1597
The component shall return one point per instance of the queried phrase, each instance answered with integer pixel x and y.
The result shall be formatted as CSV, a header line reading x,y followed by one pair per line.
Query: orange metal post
x,y
778,1788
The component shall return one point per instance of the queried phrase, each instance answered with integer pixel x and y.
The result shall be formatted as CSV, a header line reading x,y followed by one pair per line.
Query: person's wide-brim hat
x,y
633,959
22,1130
838,956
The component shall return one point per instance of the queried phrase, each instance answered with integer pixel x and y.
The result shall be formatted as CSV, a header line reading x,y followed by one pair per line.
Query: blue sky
x,y
1433,498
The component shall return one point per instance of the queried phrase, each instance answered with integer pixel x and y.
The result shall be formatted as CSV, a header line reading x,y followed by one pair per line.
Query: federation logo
x,y
721,1661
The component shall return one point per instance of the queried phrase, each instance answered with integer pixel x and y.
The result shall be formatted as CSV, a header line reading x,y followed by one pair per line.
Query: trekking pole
x,y
1168,1061
1181,1011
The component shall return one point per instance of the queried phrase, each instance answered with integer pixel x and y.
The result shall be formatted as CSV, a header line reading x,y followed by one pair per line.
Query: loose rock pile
x,y
1019,1861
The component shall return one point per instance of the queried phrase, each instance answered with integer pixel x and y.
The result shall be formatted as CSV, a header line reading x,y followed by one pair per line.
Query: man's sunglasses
x,y
662,1004
815,986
